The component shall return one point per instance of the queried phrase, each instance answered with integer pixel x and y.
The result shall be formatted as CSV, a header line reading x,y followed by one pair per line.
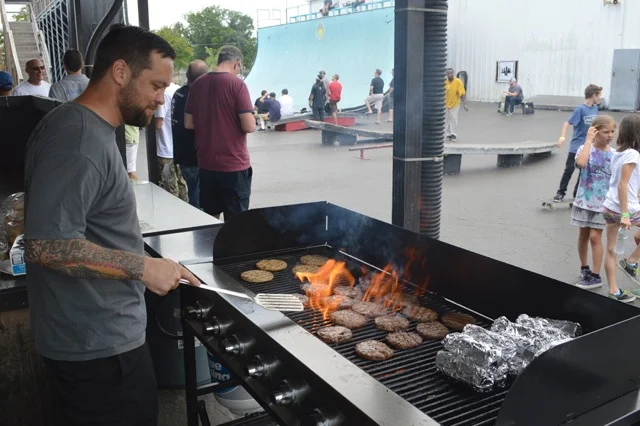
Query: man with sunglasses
x,y
35,85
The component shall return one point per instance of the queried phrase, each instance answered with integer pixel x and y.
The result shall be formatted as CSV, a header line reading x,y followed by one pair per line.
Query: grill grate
x,y
409,373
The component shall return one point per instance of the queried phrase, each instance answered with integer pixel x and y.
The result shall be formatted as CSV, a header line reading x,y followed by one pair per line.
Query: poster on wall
x,y
506,70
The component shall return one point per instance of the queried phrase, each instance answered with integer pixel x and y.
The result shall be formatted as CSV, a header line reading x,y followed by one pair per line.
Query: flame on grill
x,y
384,286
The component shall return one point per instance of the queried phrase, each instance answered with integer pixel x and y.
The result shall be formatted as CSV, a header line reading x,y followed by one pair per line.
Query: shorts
x,y
132,157
613,218
333,104
376,100
225,192
390,102
583,218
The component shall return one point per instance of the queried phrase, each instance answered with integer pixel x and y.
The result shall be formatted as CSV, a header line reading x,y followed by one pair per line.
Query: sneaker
x,y
453,138
261,130
558,198
509,114
589,282
584,273
448,137
632,272
624,297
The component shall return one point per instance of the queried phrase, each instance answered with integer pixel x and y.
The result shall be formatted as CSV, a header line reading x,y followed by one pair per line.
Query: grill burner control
x,y
198,312
321,418
216,327
262,366
289,394
233,345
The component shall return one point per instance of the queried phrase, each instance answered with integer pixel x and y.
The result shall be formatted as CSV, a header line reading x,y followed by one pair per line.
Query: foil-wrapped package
x,y
483,354
529,340
546,326
505,344
482,379
573,329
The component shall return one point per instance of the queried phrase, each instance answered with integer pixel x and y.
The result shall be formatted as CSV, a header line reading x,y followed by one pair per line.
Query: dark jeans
x,y
511,102
119,390
318,113
569,167
191,175
225,192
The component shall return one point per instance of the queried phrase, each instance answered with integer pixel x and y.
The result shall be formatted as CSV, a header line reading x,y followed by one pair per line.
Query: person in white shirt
x,y
286,104
35,85
169,176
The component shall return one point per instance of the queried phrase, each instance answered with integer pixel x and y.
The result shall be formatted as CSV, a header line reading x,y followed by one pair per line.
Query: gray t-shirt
x,y
77,188
517,89
69,88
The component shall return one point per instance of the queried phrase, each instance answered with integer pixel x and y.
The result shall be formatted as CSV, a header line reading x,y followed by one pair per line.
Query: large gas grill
x,y
299,379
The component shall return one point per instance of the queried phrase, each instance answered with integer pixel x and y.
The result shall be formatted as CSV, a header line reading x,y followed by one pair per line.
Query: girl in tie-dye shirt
x,y
594,160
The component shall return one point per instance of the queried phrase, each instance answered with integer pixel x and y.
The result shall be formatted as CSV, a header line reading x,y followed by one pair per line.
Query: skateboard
x,y
550,204
503,100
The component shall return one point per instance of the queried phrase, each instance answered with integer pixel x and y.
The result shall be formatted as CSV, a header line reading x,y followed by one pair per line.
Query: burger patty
x,y
373,350
343,290
432,330
314,259
391,323
335,334
309,269
370,309
348,319
457,321
420,314
271,265
256,276
338,302
402,340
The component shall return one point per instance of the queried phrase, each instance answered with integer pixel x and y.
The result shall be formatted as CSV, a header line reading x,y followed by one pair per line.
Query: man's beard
x,y
132,113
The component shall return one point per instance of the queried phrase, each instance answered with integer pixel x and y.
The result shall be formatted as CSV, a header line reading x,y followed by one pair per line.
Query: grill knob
x,y
261,366
216,326
198,311
285,396
209,329
257,370
232,346
323,418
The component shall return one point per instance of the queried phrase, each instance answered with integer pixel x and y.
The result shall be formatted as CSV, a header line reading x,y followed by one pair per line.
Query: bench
x,y
298,122
509,155
345,136
527,107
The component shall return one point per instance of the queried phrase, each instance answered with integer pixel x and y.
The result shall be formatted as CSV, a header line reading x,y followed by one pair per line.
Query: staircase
x,y
23,41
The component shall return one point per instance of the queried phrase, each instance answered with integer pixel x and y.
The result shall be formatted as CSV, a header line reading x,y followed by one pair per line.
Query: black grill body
x,y
301,380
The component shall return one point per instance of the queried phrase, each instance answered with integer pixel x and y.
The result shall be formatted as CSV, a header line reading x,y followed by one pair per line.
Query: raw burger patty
x,y
402,340
271,265
420,314
348,319
351,292
457,321
314,259
257,276
432,330
370,309
310,269
373,350
339,302
391,323
335,334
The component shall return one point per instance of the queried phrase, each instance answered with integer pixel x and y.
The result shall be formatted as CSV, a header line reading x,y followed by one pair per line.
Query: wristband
x,y
626,214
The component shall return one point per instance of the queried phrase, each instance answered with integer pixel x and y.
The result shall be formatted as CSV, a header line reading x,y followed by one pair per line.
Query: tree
x,y
22,15
214,27
184,52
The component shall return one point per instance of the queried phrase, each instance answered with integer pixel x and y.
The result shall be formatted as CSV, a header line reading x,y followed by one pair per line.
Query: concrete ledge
x,y
328,127
517,148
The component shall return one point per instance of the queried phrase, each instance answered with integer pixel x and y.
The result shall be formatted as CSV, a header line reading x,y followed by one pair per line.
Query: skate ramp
x,y
352,45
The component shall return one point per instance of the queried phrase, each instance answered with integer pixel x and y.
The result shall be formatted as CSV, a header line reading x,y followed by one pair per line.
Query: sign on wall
x,y
506,70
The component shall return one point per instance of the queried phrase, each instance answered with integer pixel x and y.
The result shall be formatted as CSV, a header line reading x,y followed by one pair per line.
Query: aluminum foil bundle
x,y
529,340
573,329
482,379
483,354
545,325
505,344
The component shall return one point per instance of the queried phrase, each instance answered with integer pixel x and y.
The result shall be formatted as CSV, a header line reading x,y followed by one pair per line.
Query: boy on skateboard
x,y
580,119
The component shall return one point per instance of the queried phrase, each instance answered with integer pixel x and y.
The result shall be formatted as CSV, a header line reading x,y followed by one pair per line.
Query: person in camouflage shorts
x,y
170,178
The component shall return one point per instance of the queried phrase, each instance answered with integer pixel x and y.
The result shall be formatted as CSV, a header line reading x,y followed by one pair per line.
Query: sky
x,y
168,12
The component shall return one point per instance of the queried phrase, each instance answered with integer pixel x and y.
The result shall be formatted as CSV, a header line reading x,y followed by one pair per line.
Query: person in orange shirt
x,y
454,94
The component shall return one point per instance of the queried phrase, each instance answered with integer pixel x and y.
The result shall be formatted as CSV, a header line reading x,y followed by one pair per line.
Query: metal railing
x,y
11,57
341,8
53,22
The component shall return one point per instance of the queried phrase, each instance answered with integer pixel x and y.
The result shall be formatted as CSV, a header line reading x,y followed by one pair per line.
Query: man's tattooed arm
x,y
80,258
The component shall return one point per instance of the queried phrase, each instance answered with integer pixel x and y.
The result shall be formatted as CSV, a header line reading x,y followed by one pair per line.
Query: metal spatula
x,y
272,302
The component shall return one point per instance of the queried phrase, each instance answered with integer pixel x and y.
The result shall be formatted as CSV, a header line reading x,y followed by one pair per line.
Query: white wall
x,y
561,45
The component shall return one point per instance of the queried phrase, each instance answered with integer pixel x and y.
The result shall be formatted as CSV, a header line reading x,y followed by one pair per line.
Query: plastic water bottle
x,y
622,237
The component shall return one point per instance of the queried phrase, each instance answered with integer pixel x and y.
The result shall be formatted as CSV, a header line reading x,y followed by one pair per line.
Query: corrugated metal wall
x,y
561,45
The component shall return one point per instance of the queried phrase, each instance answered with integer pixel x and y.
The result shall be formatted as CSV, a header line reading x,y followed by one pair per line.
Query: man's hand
x,y
163,275
466,108
561,140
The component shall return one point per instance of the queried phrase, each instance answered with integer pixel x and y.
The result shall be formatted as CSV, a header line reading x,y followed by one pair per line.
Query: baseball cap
x,y
6,81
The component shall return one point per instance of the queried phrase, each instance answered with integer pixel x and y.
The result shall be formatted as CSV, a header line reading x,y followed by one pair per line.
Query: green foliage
x,y
214,27
184,52
23,15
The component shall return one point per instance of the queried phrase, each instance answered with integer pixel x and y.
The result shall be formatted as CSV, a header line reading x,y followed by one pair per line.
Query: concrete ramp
x,y
351,45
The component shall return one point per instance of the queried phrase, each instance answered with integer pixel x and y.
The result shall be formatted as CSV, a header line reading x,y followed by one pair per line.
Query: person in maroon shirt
x,y
335,92
220,111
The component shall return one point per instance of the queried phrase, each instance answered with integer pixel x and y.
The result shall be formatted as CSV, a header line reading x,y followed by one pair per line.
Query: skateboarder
x,y
316,99
376,95
513,97
580,119
454,94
